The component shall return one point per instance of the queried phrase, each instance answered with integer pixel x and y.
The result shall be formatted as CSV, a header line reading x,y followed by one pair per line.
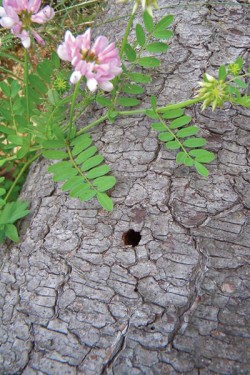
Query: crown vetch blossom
x,y
18,15
99,63
212,91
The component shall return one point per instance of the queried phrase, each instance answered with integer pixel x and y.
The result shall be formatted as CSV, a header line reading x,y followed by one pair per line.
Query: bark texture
x,y
76,300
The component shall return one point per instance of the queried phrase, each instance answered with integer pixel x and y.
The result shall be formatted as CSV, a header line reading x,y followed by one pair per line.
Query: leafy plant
x,y
39,110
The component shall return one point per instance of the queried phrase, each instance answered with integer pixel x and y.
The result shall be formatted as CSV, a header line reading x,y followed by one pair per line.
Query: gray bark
x,y
76,300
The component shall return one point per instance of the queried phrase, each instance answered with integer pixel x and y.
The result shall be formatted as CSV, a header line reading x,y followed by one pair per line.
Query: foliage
x,y
39,111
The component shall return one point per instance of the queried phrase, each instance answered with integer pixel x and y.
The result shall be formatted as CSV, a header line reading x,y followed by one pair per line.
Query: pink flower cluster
x,y
18,15
99,63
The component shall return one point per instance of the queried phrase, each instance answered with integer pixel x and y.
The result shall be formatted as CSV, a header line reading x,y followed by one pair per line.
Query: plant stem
x,y
126,34
139,112
72,107
26,82
169,107
92,124
23,169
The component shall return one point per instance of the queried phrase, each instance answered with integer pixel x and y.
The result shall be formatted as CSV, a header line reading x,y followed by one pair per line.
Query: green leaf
x,y
86,195
3,161
98,171
13,211
45,69
194,142
179,122
240,83
188,161
203,171
130,52
149,62
153,102
183,158
222,73
55,143
158,126
244,101
5,88
53,97
174,113
103,101
157,47
128,102
72,183
65,175
202,156
55,155
165,137
23,150
164,22
81,147
180,157
187,132
81,139
148,22
16,139
139,77
239,61
105,201
2,192
83,156
92,162
104,183
11,232
78,190
61,166
163,34
14,88
140,35
37,83
133,89
173,145
6,130
55,60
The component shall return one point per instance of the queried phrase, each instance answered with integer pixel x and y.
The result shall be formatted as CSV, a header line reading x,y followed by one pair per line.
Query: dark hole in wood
x,y
131,237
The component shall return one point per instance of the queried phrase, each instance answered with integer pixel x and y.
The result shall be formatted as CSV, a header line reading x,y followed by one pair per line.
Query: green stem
x,y
169,107
26,82
23,169
92,125
126,34
139,112
72,107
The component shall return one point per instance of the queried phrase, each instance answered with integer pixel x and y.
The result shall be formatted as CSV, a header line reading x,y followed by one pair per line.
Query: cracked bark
x,y
75,300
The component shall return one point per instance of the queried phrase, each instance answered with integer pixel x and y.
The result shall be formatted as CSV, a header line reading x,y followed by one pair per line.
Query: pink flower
x,y
99,63
18,15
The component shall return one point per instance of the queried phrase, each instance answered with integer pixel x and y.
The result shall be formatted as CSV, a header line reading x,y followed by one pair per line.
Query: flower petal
x,y
45,14
38,38
2,12
7,22
75,77
92,84
34,6
106,86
